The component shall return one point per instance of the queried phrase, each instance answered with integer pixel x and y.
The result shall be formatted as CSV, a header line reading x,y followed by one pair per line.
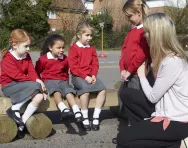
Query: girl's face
x,y
86,37
135,18
58,48
21,48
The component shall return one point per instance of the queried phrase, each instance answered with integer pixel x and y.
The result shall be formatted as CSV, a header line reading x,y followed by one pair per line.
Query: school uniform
x,y
18,77
54,73
134,52
83,61
168,123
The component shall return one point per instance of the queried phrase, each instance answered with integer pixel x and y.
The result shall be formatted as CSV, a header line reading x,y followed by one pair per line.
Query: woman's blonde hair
x,y
132,6
81,28
162,38
17,36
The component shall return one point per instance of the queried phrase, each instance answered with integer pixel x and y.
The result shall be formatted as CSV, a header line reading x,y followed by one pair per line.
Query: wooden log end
x,y
39,126
8,129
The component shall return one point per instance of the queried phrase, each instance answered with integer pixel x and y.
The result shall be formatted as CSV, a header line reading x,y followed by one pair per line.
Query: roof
x,y
73,5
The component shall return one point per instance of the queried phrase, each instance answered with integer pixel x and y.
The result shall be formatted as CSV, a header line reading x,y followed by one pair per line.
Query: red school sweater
x,y
83,61
52,69
135,50
17,70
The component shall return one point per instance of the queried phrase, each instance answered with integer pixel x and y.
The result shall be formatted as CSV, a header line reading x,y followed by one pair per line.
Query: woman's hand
x,y
143,70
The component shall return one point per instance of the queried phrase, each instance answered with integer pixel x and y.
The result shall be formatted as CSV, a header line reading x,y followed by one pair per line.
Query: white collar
x,y
79,44
16,57
138,27
50,56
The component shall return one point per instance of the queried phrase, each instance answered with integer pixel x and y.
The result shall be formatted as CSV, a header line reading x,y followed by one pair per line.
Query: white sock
x,y
85,115
28,112
75,109
96,114
17,106
62,106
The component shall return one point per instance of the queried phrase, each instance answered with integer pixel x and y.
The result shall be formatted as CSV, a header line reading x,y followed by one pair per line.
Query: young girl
x,y
18,78
84,67
168,124
134,51
53,68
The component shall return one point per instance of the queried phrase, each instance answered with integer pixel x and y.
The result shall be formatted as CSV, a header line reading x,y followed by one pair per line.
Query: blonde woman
x,y
168,124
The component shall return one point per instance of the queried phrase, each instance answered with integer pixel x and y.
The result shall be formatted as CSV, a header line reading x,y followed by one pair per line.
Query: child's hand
x,y
42,85
88,79
93,79
45,95
123,74
127,74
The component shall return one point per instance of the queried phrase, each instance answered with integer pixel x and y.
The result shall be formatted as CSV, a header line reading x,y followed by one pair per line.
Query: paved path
x,y
69,135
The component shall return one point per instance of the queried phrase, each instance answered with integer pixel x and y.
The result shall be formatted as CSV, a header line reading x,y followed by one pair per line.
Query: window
x,y
51,14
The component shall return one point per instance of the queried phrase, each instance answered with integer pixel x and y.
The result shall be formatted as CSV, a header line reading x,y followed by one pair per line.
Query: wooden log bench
x,y
8,128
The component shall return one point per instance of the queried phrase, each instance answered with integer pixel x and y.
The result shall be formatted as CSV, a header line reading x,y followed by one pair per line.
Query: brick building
x,y
115,7
65,14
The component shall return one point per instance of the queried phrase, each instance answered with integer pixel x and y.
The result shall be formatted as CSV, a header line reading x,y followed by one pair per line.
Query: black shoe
x,y
20,134
94,126
80,118
114,140
11,113
85,126
65,115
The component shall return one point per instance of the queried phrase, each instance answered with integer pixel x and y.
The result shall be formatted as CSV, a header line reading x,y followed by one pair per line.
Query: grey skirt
x,y
82,86
59,86
19,91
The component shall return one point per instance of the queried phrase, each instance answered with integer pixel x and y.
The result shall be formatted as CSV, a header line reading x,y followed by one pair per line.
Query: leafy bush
x,y
25,15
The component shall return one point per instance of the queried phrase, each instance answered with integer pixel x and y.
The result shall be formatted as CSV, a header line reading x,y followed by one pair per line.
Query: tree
x,y
30,15
178,15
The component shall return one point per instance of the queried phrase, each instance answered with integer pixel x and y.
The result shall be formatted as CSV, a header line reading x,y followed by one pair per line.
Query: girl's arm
x,y
31,70
95,63
39,67
11,69
121,64
141,55
168,73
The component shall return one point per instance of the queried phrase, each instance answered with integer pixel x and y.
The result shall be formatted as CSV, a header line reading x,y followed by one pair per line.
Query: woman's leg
x,y
147,134
136,105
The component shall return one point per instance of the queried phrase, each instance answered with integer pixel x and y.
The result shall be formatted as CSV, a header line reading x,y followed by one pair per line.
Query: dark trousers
x,y
146,134
125,105
136,106
143,133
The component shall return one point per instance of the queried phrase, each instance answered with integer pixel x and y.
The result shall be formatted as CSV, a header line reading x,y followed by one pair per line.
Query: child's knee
x,y
38,98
